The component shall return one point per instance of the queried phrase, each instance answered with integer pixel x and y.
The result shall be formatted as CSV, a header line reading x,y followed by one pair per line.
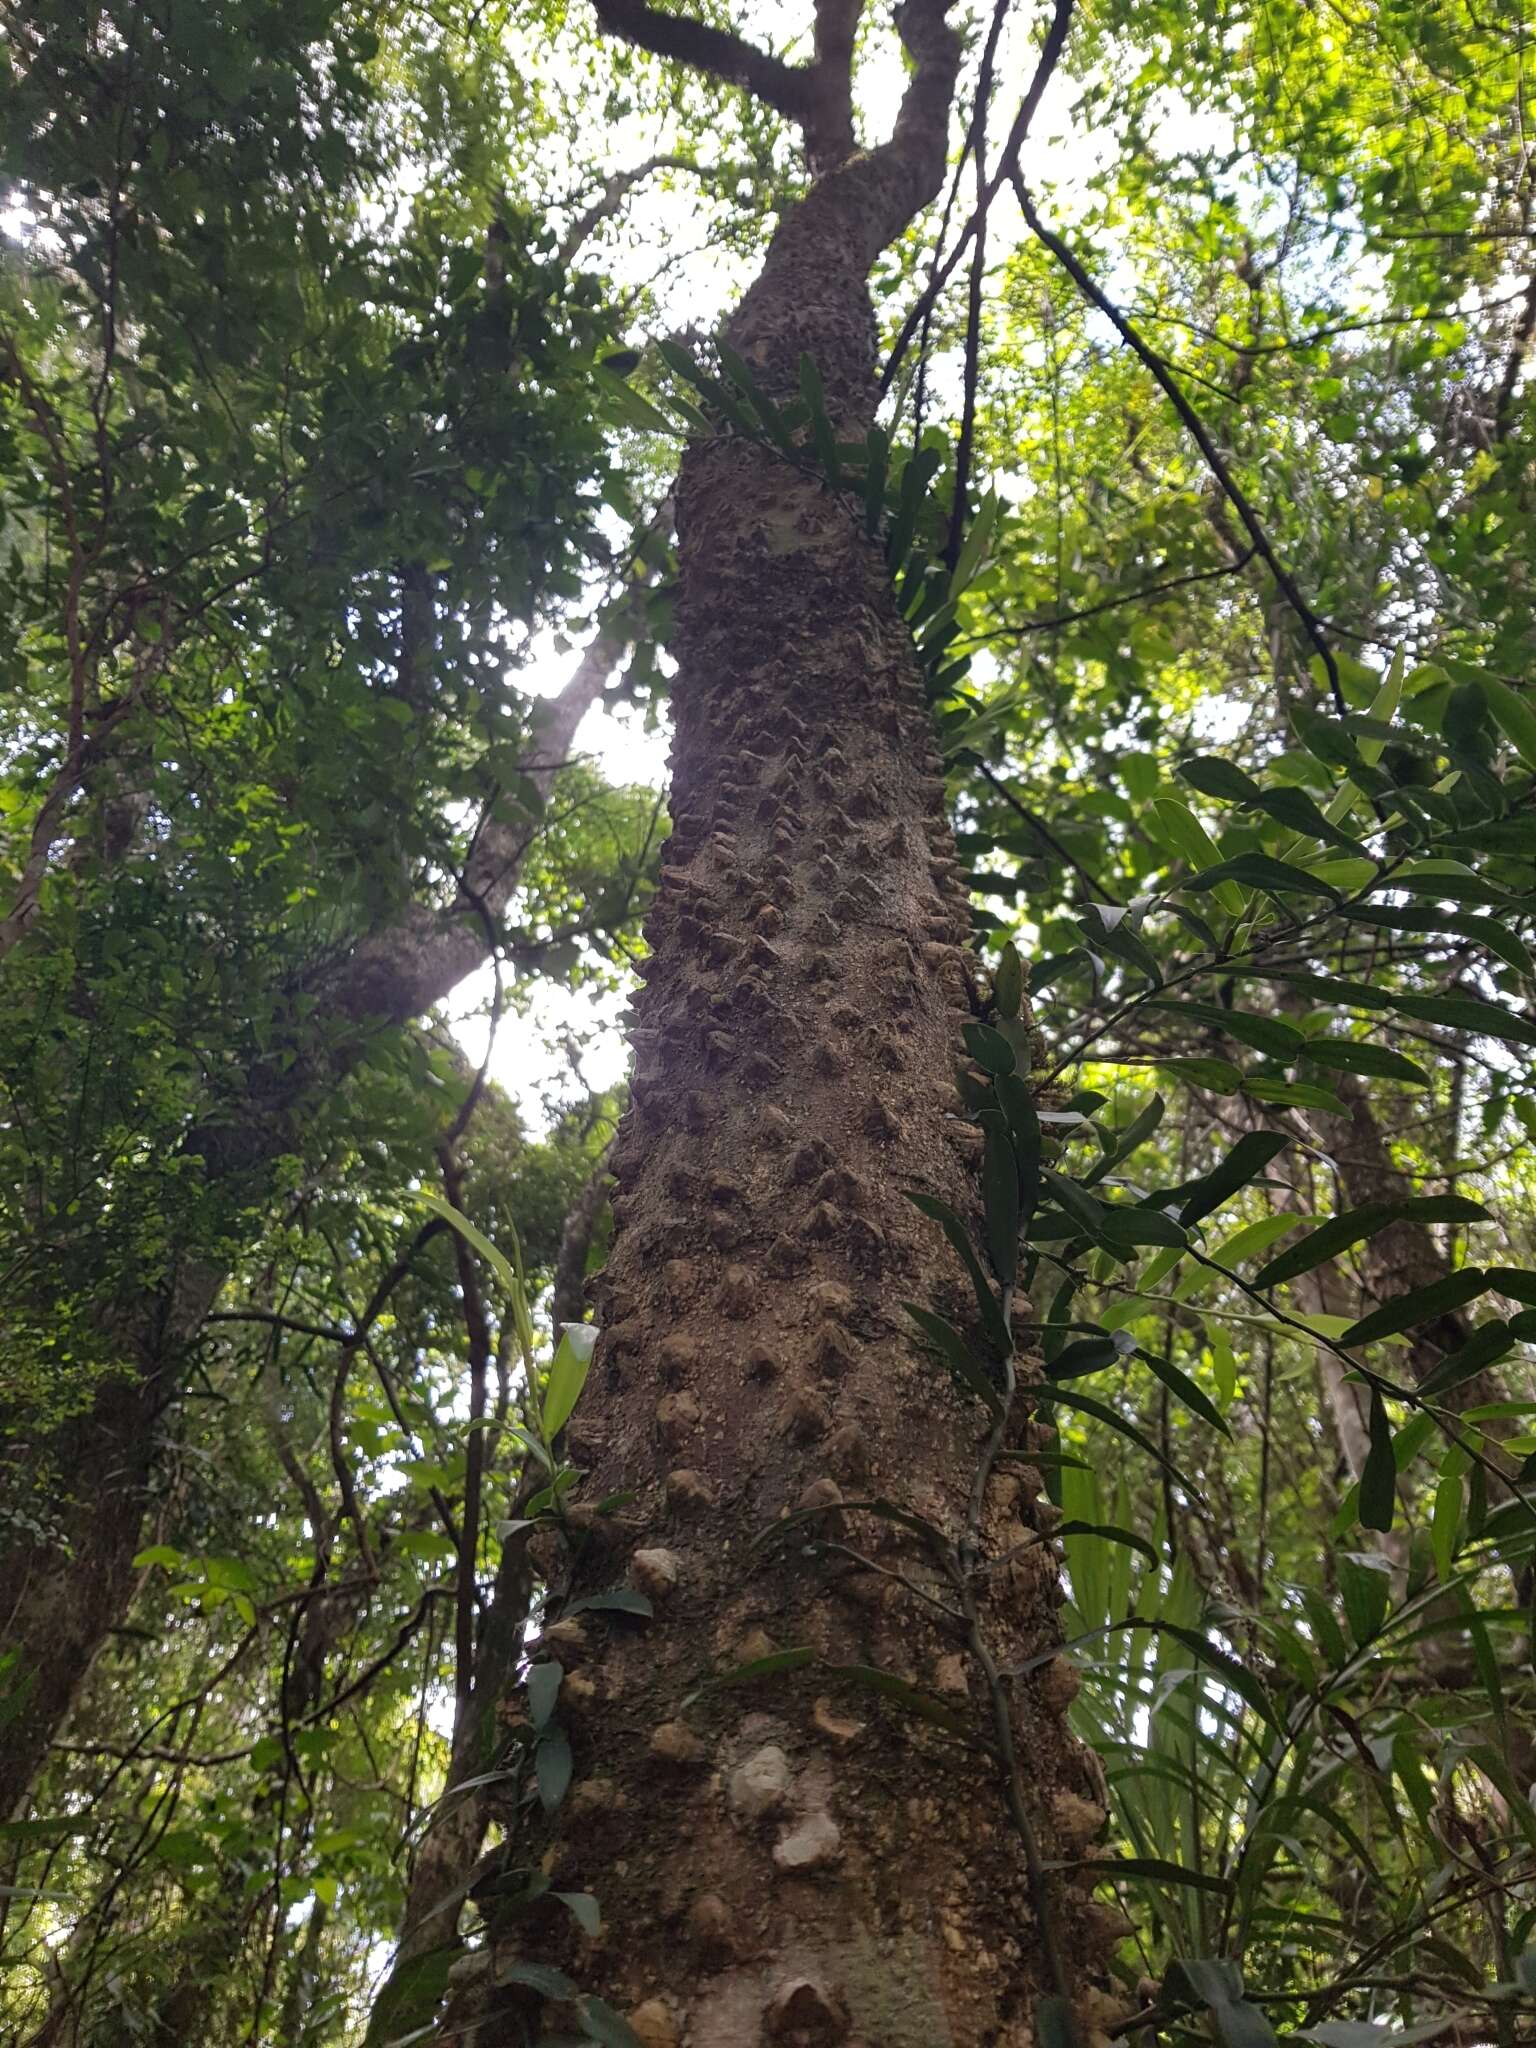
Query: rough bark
x,y
795,1860
66,1580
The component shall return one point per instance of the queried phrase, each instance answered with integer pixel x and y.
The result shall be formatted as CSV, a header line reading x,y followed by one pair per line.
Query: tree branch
x,y
785,87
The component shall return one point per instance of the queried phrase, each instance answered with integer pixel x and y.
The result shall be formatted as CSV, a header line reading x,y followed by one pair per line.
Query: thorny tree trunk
x,y
792,1860
66,1568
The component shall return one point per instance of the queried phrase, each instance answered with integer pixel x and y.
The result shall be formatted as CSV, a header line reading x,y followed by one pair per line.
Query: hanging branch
x,y
957,510
1050,55
1312,625
994,33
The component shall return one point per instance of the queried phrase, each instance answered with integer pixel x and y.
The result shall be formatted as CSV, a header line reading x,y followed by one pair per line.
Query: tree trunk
x,y
800,1859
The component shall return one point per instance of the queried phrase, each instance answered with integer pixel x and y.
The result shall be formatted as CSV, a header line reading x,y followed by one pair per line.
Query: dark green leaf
x,y
1354,1056
1127,1225
1184,1389
1233,1674
1513,1281
1110,1532
541,1977
600,2023
947,1342
1008,986
1340,1232
1264,1034
988,1048
583,1909
1262,871
876,454
1018,1106
912,1699
987,1302
1052,1394
1054,2024
552,1768
1378,1482
1246,1160
544,1682
1083,1355
622,1600
1219,1076
1000,1194
1440,1298
1468,1013
1488,1342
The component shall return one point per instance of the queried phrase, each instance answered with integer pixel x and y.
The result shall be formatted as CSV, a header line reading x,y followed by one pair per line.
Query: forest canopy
x,y
767,1024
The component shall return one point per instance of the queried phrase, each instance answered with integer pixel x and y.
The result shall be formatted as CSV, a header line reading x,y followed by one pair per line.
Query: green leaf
x,y
1218,1985
621,1600
498,1262
1215,777
567,1376
989,1049
1503,943
600,2023
973,548
1085,1404
987,1302
1054,2024
583,1909
741,376
1445,1524
1233,1674
1264,1034
1487,1343
1295,1094
552,1768
1440,1298
1287,806
1469,1013
1128,1224
1513,1281
1512,714
1019,1108
1378,1481
1220,1077
541,1977
1340,1232
765,1667
1155,1867
1244,1163
1184,1389
1355,1056
1000,1195
911,1698
1008,985
1263,871
543,1686
951,1347
1111,1532
822,433
919,471
1083,1355
876,454
1183,831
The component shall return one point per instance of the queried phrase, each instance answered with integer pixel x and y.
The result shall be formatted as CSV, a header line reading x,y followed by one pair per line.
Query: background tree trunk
x,y
66,1570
